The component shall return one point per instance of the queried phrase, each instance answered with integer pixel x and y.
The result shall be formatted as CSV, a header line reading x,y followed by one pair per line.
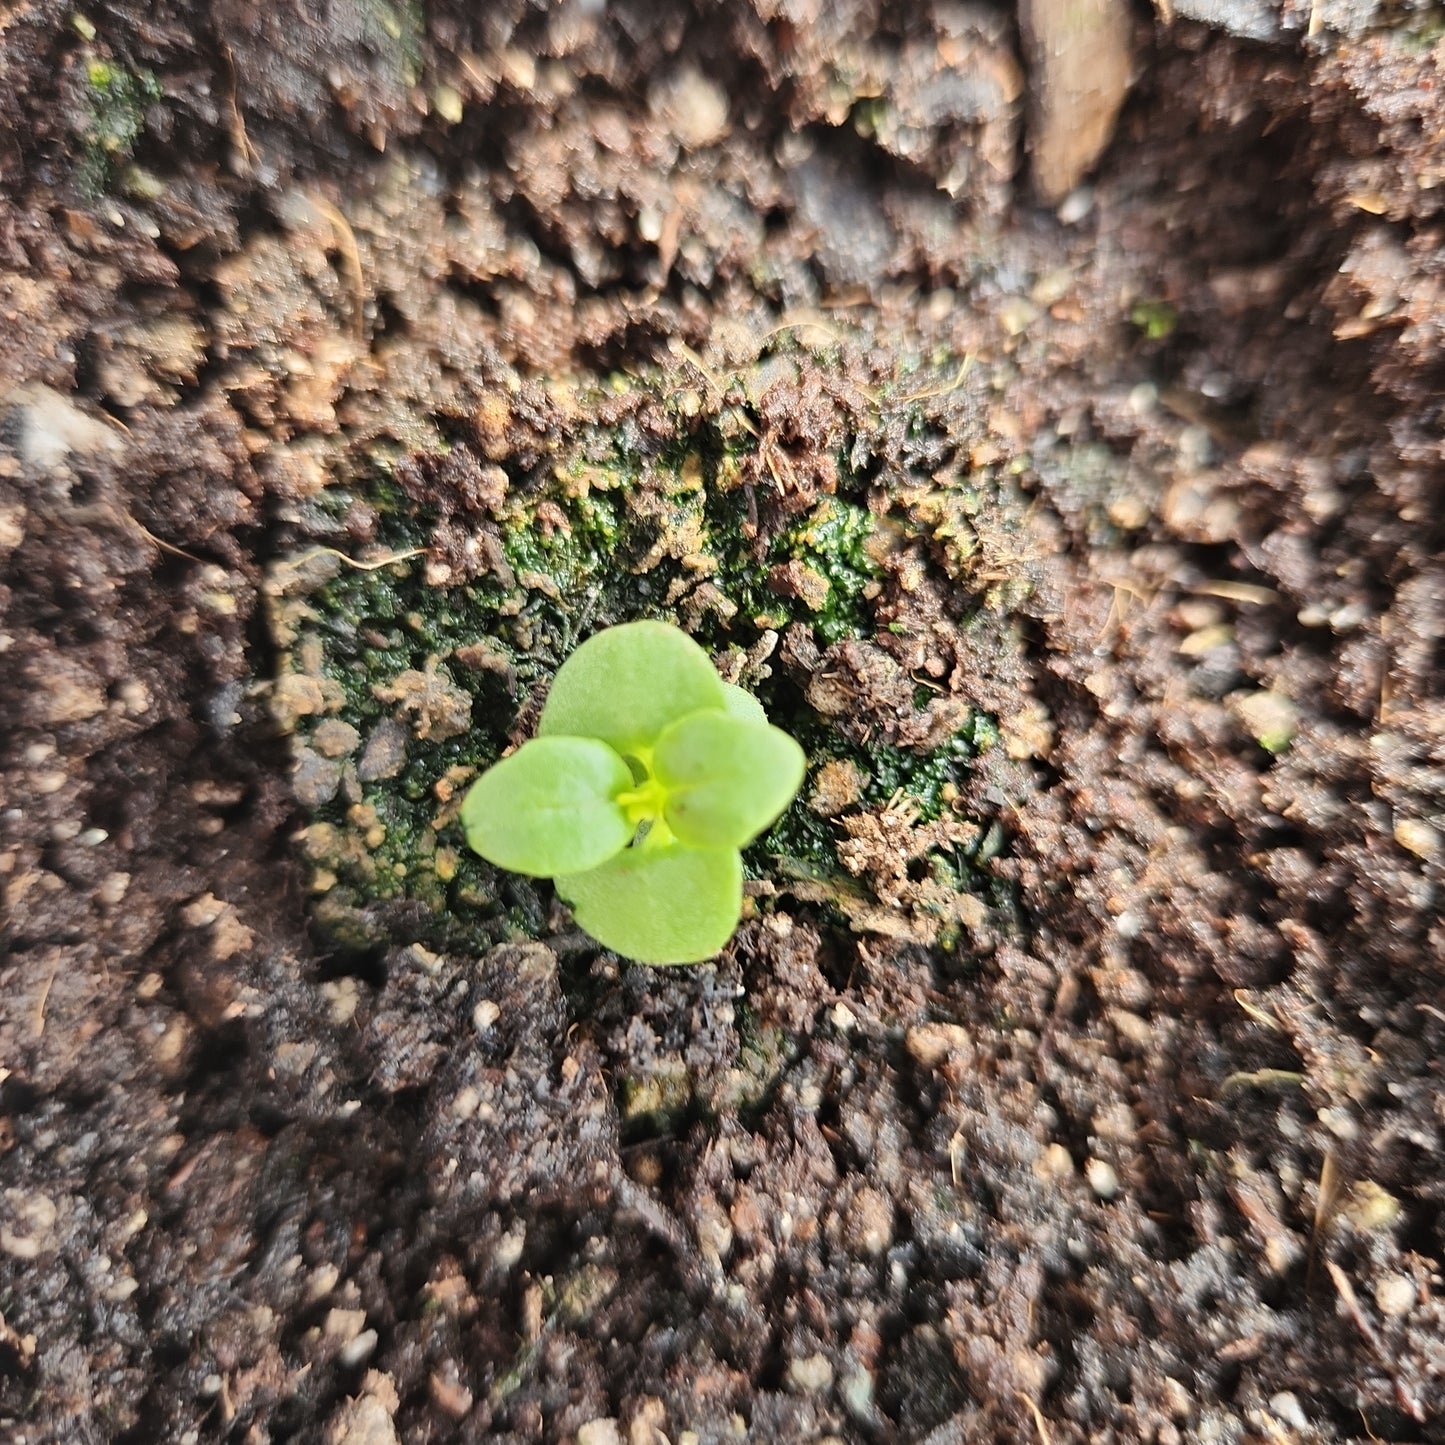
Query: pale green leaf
x,y
669,904
550,808
725,779
741,703
626,684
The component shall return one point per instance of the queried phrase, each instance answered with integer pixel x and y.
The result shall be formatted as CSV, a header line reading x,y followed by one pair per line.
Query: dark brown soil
x,y
1151,1152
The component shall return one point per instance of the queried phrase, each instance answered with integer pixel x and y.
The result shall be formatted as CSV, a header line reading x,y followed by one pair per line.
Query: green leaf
x,y
741,703
626,684
668,904
725,779
550,808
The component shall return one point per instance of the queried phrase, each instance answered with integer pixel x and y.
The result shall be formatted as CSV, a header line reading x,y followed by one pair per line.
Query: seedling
x,y
647,776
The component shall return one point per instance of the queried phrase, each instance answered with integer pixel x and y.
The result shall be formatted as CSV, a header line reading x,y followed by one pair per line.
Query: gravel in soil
x,y
1075,1074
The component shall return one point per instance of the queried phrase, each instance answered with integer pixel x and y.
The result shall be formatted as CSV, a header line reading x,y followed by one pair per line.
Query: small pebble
x,y
447,102
1340,1123
1144,398
1270,717
1285,1406
1196,447
1054,1163
315,779
1395,1295
1076,206
1131,1027
1418,838
1129,512
603,1431
359,1350
812,1374
1102,1178
510,1246
931,1044
857,1394
1176,1399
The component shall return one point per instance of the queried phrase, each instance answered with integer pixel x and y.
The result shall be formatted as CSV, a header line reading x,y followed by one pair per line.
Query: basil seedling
x,y
647,776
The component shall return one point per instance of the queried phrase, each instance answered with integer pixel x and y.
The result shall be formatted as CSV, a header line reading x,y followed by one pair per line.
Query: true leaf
x,y
725,779
550,808
669,904
741,703
626,684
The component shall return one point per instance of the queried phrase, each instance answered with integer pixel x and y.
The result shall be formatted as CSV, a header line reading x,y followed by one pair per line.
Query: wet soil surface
x,y
1075,1074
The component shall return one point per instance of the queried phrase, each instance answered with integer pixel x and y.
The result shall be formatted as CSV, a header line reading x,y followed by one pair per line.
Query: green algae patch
x,y
113,104
819,571
832,555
